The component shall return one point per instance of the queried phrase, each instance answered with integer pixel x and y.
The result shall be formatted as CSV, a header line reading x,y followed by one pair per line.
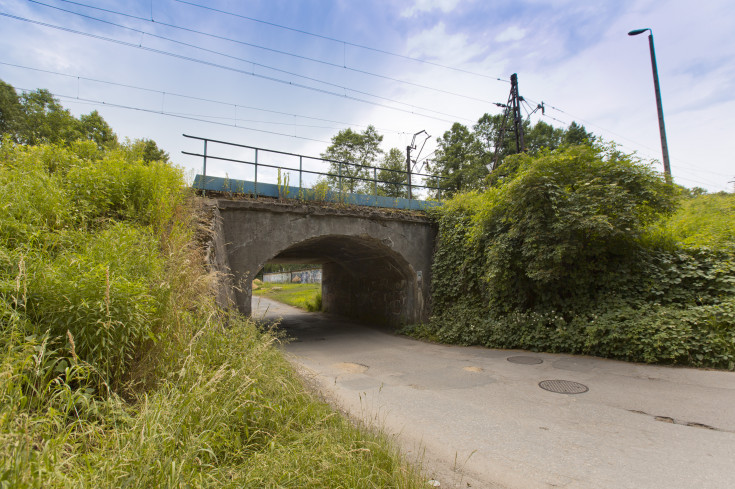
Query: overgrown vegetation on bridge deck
x,y
117,369
582,250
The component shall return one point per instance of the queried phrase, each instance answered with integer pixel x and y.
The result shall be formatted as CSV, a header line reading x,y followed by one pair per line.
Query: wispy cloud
x,y
420,6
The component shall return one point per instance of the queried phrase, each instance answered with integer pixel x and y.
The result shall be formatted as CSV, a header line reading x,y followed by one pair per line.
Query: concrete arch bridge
x,y
376,263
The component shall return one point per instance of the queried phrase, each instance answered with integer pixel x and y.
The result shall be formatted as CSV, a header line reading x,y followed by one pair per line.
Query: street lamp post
x,y
661,126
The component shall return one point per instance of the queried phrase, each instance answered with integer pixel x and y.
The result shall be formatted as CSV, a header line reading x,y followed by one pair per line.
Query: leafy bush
x,y
559,257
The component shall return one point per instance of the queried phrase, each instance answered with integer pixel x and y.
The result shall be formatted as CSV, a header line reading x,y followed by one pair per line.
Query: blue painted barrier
x,y
219,184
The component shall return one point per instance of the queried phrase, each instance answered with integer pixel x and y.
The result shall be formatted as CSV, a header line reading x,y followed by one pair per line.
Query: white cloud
x,y
437,44
512,33
429,6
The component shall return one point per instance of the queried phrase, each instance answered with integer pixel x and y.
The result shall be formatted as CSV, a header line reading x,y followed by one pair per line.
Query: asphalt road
x,y
473,418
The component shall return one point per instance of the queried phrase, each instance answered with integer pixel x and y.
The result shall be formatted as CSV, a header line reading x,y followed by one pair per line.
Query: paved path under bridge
x,y
478,418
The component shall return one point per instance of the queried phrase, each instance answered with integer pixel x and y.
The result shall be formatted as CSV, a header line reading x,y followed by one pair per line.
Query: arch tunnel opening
x,y
362,277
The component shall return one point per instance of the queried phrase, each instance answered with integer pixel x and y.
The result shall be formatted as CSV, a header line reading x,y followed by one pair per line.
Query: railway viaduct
x,y
376,263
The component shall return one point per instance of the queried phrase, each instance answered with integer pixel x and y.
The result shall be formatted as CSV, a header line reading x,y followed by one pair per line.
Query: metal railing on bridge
x,y
266,166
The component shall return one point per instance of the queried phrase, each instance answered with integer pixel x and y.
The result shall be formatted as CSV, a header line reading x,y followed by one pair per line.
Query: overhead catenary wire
x,y
249,73
343,42
190,97
272,50
248,61
169,114
548,117
679,163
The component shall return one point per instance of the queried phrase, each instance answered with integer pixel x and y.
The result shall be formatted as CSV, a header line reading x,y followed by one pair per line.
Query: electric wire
x,y
652,156
248,61
169,114
678,161
201,99
241,71
265,48
344,43
297,75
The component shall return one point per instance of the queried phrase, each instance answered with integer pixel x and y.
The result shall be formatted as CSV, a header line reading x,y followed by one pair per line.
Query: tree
x,y
11,110
38,117
487,130
459,160
576,134
45,120
355,149
95,128
543,135
562,231
146,150
393,174
465,156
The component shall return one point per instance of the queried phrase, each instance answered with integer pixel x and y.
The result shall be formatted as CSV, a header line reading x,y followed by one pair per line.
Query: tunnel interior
x,y
362,277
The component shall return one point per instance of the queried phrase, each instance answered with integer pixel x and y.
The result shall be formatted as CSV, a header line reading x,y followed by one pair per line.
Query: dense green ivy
x,y
559,257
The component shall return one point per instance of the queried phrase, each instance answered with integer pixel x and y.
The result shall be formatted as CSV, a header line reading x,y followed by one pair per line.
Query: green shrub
x,y
560,257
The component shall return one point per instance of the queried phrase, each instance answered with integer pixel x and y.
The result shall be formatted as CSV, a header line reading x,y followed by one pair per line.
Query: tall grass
x,y
116,367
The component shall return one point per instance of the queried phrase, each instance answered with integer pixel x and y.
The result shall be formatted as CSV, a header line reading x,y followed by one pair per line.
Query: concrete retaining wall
x,y
313,276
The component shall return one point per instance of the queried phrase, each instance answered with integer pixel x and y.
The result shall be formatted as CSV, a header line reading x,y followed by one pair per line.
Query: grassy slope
x,y
304,296
704,220
116,367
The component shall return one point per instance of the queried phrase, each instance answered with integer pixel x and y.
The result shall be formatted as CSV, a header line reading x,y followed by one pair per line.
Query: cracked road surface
x,y
475,419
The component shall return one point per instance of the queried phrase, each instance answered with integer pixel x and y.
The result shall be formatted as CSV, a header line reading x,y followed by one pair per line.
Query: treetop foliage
x,y
464,157
358,150
37,117
361,150
392,174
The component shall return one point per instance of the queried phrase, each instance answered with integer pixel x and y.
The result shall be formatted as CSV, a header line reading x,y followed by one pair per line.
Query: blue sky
x,y
573,55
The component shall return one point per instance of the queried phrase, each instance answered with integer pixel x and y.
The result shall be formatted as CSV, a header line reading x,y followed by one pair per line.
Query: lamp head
x,y
638,31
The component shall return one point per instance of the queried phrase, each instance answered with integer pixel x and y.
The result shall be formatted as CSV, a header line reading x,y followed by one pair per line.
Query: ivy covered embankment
x,y
575,251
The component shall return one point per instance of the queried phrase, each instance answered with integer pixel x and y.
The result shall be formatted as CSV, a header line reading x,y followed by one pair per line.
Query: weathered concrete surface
x,y
376,263
479,419
216,257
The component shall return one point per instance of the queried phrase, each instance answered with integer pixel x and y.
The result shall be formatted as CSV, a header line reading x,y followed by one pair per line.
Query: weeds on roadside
x,y
117,368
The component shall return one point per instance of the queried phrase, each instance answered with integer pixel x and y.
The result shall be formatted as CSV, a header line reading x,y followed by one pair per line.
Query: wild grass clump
x,y
315,305
228,419
116,367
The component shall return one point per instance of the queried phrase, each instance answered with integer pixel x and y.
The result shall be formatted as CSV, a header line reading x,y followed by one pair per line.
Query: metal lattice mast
x,y
513,106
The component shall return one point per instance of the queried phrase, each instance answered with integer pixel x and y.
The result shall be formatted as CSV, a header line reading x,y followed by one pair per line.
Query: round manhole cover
x,y
525,360
563,386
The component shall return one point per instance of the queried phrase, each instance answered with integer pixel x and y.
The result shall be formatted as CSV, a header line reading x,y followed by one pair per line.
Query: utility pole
x,y
517,120
659,107
408,167
513,106
408,157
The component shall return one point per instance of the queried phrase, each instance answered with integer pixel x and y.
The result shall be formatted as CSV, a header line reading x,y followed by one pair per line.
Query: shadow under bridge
x,y
376,265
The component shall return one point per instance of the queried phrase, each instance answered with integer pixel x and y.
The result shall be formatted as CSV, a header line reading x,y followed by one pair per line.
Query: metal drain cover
x,y
563,386
525,360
